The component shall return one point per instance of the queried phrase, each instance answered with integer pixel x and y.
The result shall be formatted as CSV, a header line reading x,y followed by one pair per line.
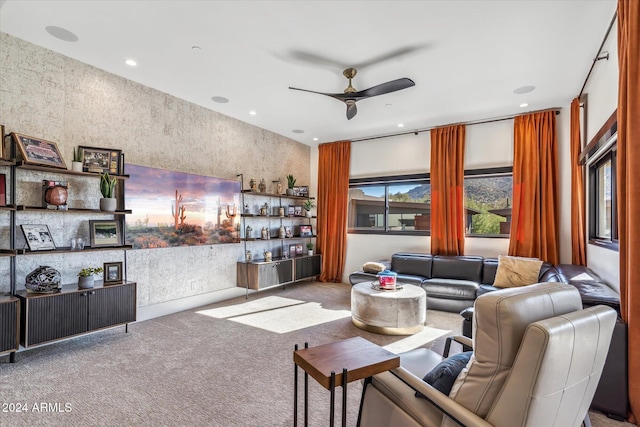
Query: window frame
x,y
386,181
489,173
609,153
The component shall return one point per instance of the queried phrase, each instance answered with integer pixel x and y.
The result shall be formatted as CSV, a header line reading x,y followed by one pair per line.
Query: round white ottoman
x,y
399,312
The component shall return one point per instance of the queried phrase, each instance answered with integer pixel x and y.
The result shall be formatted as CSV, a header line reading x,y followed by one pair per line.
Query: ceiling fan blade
x,y
388,87
352,110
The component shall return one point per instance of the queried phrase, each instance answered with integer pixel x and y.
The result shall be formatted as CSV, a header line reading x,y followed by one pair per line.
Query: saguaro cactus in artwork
x,y
178,212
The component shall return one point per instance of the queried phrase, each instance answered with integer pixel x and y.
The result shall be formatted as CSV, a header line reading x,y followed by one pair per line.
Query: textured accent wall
x,y
45,94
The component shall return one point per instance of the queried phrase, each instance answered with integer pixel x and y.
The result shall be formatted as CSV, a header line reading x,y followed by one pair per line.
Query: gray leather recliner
x,y
537,360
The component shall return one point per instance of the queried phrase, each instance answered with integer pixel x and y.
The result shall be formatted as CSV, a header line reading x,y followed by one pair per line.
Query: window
x,y
390,205
487,202
603,230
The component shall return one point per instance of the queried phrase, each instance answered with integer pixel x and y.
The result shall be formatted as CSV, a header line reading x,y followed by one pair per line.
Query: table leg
x,y
344,397
332,387
295,392
306,394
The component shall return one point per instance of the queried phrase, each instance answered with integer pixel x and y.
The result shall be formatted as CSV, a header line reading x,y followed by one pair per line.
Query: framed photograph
x,y
36,151
306,230
298,210
299,249
292,250
38,237
101,160
288,232
112,272
105,233
301,191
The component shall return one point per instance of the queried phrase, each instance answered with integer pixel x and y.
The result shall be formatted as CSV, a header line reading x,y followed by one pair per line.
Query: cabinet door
x,y
275,273
307,267
112,305
53,317
9,325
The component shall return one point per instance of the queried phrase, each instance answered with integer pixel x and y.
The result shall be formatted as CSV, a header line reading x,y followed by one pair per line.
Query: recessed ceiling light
x,y
130,62
524,104
524,89
253,113
297,131
196,48
61,34
400,125
219,99
315,139
388,105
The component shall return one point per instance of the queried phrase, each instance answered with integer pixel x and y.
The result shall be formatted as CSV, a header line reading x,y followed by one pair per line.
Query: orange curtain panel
x,y
628,177
333,196
578,221
447,190
534,221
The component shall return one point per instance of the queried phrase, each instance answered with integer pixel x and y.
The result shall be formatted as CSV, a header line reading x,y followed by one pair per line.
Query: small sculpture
x,y
264,210
281,232
252,184
247,234
278,186
248,256
267,256
265,233
263,186
43,279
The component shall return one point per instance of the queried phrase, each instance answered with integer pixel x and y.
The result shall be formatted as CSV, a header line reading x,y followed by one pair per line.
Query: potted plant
x,y
107,188
308,205
291,181
309,248
85,277
76,164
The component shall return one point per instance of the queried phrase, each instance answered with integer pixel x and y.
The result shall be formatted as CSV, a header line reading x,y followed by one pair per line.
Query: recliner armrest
x,y
460,339
443,402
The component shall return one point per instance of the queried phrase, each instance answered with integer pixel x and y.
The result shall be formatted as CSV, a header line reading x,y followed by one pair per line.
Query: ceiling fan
x,y
351,95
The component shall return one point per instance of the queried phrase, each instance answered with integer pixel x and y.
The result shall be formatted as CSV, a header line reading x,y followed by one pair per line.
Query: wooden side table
x,y
353,359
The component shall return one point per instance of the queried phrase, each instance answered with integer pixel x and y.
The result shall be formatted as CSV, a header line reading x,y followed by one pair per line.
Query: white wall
x,y
487,145
602,92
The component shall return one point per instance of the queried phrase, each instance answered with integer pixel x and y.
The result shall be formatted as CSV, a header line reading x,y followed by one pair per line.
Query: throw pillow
x,y
445,373
516,271
373,267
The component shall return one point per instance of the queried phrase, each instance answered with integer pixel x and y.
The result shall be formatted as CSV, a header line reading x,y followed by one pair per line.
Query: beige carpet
x,y
228,364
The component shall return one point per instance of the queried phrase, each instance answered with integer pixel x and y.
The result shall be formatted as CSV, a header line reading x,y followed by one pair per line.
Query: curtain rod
x,y
473,122
598,57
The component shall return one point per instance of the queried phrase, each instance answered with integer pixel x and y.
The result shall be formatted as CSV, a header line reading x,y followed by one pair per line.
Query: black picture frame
x,y
101,160
38,237
301,191
112,273
37,151
105,233
306,230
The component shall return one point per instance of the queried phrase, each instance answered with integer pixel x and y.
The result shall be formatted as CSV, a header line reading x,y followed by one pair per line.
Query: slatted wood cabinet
x,y
9,319
73,311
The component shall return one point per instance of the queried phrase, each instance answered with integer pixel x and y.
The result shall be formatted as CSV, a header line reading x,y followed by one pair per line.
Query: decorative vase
x,y
310,252
76,166
108,204
86,282
282,232
307,214
289,191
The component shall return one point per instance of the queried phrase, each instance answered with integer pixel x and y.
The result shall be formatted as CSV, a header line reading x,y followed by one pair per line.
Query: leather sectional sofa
x,y
452,283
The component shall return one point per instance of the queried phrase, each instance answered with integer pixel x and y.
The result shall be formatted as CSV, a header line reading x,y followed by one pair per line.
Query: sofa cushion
x,y
408,279
489,267
445,373
412,264
516,271
457,267
450,288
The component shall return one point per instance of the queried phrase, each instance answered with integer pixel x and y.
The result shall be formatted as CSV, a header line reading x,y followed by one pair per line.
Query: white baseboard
x,y
162,309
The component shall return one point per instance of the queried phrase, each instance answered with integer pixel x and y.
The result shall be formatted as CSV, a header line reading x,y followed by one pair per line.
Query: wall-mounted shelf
x,y
72,210
67,249
49,169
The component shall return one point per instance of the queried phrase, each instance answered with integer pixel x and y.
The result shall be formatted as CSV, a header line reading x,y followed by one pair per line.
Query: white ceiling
x,y
466,57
